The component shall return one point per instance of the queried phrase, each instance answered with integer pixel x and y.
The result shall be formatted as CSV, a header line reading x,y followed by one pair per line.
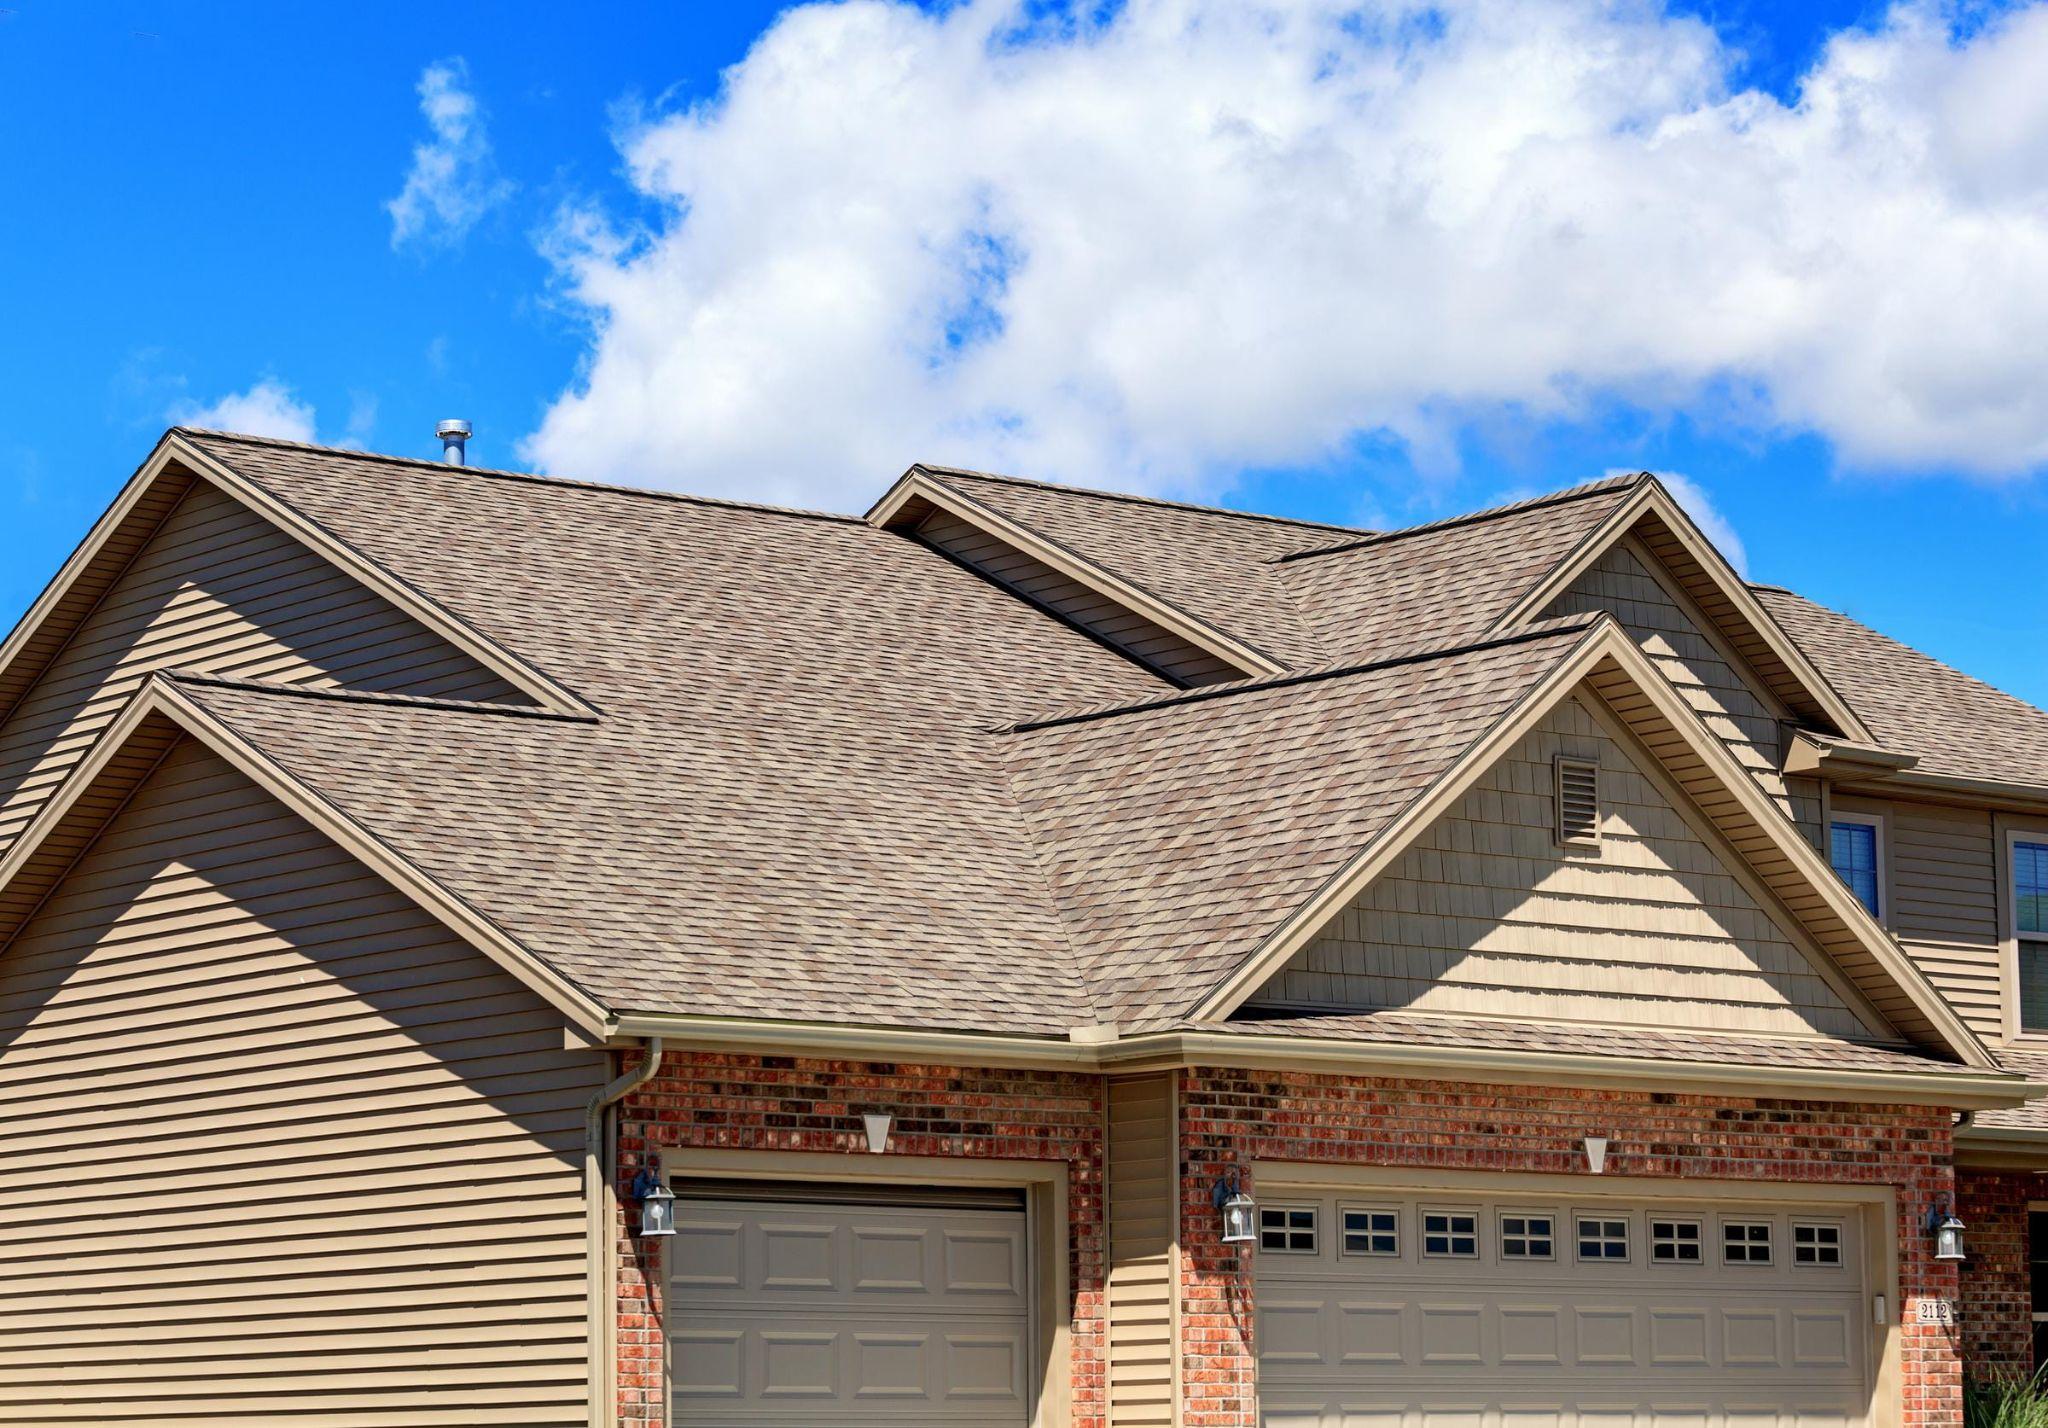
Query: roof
x,y
805,768
1915,704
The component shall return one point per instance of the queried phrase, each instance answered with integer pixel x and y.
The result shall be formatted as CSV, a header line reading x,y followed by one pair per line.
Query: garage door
x,y
1424,1312
793,1308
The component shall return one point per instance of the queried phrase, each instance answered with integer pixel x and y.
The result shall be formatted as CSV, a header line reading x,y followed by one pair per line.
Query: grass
x,y
2009,1401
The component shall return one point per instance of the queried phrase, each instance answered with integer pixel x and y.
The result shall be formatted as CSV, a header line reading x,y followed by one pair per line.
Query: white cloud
x,y
1204,234
267,409
1694,500
454,181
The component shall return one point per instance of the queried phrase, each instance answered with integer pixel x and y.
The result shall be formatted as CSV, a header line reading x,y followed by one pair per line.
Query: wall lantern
x,y
877,1123
1239,1211
657,1206
1947,1231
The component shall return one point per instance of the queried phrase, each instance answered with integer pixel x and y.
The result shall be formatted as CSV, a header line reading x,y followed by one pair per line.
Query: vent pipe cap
x,y
454,434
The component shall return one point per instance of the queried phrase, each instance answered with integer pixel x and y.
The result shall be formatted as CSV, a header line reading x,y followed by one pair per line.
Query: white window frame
x,y
2014,834
1344,1250
1881,852
1698,1241
1769,1242
1503,1214
1314,1230
1604,1218
1840,1245
1475,1213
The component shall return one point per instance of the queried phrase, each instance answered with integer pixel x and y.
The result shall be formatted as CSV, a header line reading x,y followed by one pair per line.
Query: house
x,y
1589,980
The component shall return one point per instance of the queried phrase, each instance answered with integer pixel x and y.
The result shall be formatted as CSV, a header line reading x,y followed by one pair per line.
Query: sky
x,y
1373,263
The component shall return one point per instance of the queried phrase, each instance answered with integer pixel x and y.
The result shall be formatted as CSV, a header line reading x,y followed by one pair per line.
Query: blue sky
x,y
1374,266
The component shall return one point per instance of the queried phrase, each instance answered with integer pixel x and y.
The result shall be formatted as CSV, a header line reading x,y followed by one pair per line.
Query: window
x,y
1450,1234
1372,1232
1675,1242
1528,1237
2030,926
1745,1242
1578,802
1818,1245
1856,848
1603,1239
1290,1229
2037,1275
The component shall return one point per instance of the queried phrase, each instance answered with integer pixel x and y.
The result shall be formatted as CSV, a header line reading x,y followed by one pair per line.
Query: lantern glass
x,y
657,1213
1948,1239
1239,1226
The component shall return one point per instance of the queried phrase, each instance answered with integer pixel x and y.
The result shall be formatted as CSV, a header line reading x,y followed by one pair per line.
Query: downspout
x,y
601,1222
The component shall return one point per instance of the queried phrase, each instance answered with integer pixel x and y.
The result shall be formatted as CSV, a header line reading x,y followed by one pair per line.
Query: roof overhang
x,y
148,497
1719,592
153,720
1839,760
1981,1147
1167,1050
1609,662
919,489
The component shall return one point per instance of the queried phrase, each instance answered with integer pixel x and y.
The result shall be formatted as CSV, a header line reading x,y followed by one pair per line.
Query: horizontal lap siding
x,y
220,590
1141,1172
1098,614
1944,891
1487,914
353,1142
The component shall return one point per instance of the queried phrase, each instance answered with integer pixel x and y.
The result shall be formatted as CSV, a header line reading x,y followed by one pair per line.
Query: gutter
x,y
1094,1051
599,1217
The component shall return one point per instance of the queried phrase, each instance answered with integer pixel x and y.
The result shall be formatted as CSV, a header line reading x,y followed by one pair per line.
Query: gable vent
x,y
1578,801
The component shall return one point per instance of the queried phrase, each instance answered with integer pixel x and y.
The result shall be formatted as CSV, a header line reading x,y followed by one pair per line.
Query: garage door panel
x,y
1530,1327
806,1315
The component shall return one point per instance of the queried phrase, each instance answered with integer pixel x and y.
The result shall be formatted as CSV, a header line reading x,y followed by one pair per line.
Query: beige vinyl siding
x,y
1664,626
1143,1205
1069,598
1941,877
1487,914
274,1144
221,590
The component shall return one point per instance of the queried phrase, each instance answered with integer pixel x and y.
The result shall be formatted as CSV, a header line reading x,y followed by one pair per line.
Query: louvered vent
x,y
1578,802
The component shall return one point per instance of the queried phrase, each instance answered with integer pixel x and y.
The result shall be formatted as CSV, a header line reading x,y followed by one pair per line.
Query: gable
x,y
218,589
219,999
1626,582
1485,914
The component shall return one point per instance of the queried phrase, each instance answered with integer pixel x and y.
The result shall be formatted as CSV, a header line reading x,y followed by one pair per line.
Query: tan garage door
x,y
793,1308
1448,1312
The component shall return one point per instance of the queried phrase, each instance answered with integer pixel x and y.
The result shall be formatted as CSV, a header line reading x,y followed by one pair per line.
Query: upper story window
x,y
2030,925
1856,848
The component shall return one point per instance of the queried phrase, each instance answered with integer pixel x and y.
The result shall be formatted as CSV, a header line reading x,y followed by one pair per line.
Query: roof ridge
x,y
1549,498
534,477
1131,498
370,696
1539,630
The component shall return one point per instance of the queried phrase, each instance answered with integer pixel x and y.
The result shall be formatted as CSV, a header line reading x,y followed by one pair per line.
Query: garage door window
x,y
1745,1242
1675,1242
1288,1229
1819,1246
1528,1237
1372,1232
1603,1239
1450,1234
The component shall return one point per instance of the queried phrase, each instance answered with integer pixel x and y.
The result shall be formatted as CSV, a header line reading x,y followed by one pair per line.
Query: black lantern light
x,y
1239,1211
1947,1231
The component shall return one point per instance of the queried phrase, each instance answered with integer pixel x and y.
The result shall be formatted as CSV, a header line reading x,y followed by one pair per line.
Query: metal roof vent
x,y
454,434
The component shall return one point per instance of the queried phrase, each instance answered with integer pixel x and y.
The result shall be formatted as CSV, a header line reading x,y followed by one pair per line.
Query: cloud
x,y
1694,500
1198,235
454,181
267,409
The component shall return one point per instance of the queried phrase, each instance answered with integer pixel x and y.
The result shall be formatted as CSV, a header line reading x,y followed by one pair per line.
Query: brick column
x,y
1996,1306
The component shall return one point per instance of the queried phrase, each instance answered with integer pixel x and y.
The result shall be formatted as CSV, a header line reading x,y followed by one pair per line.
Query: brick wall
x,y
1996,1305
1233,1118
726,1102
